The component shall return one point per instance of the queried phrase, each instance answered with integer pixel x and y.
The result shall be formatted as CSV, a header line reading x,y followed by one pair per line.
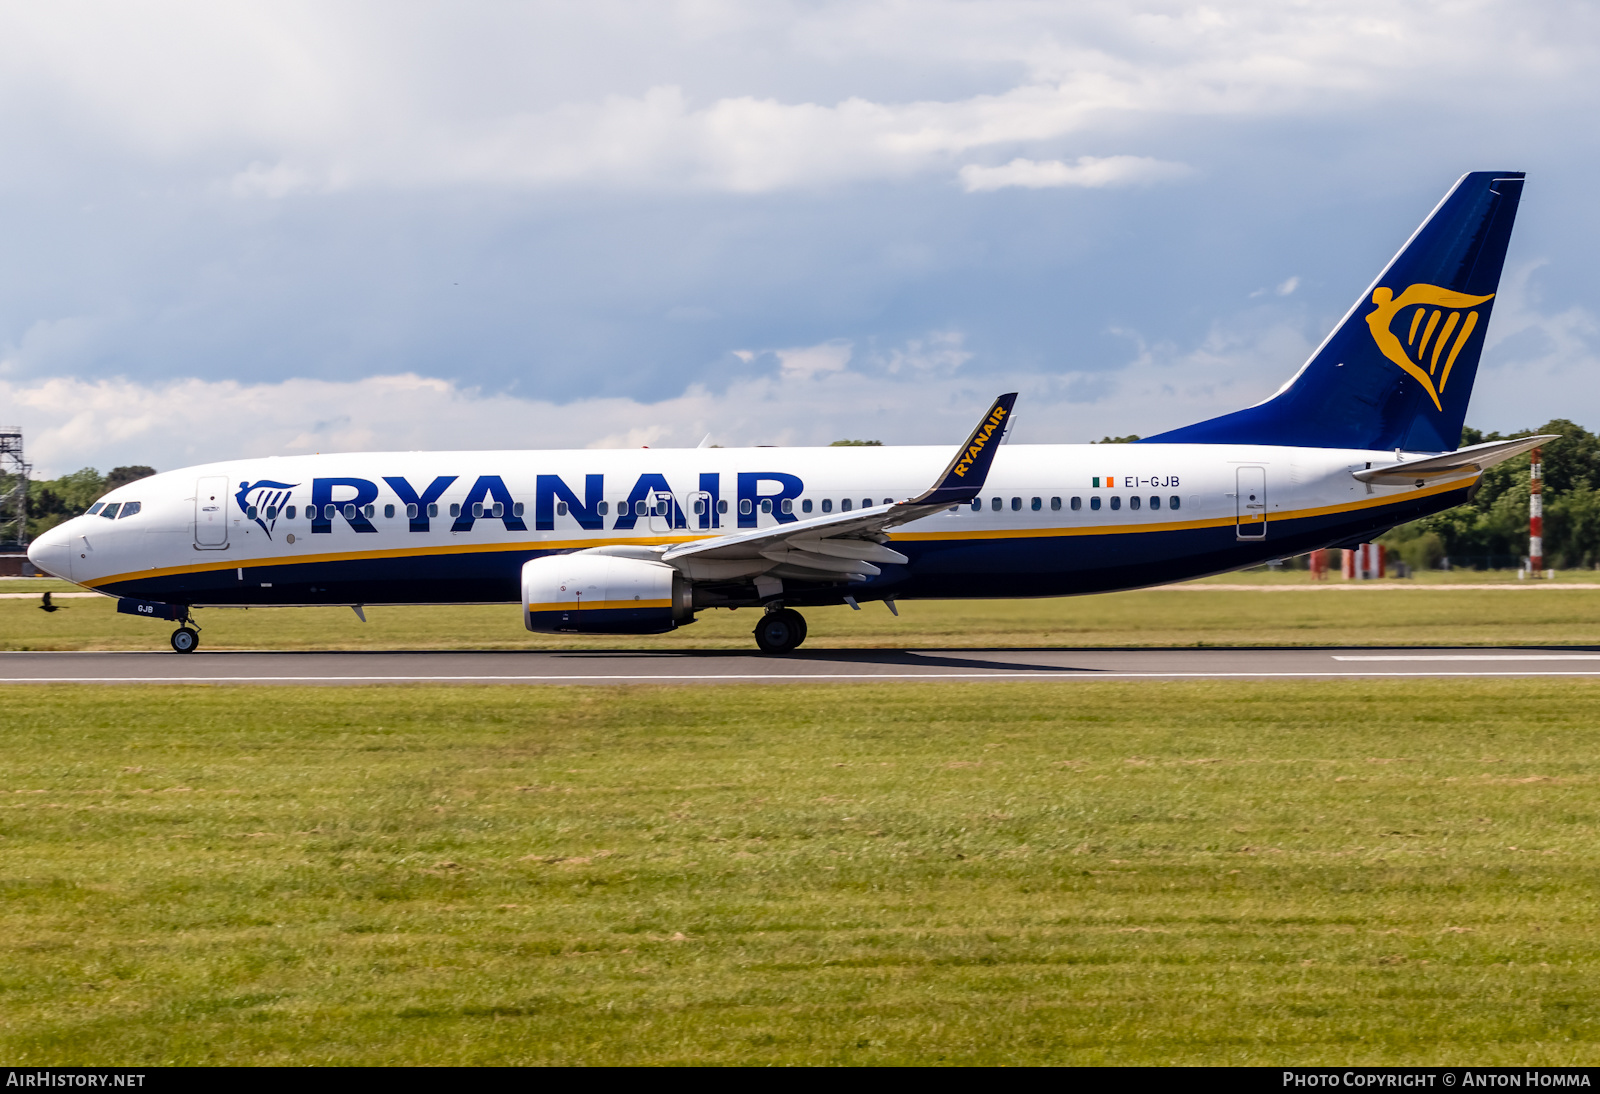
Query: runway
x,y
805,666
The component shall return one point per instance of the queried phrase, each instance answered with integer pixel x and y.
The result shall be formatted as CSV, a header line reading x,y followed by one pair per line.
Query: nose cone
x,y
52,554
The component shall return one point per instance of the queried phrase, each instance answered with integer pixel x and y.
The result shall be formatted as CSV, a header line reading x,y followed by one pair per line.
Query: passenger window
x,y
805,505
1037,505
330,511
995,504
1155,501
605,507
250,513
388,512
411,512
561,508
788,505
1172,502
455,509
370,511
110,511
270,512
866,503
129,508
699,506
433,510
349,511
289,512
745,507
844,505
722,507
1094,502
766,505
640,509
517,510
827,505
1055,505
977,505
1133,502
1016,505
95,508
1116,501
1077,503
477,510
500,509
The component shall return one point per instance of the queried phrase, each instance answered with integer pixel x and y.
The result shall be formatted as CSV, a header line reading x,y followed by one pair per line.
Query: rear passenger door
x,y
1251,502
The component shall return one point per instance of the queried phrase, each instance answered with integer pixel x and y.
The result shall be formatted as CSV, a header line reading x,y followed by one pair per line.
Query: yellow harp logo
x,y
1425,340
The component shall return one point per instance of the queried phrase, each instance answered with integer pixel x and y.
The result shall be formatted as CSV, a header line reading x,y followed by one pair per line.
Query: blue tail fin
x,y
1398,369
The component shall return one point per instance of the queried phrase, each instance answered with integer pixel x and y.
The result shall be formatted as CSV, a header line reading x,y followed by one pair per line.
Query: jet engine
x,y
602,594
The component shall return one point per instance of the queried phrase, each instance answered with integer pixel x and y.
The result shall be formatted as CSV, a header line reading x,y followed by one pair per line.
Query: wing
x,y
842,547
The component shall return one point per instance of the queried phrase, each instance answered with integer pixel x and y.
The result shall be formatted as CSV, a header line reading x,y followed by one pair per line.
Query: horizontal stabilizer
x,y
1478,457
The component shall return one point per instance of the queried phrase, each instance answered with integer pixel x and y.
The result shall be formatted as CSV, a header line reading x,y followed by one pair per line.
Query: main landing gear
x,y
185,639
780,630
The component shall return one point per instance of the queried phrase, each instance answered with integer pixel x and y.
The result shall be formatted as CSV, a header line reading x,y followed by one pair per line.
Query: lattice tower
x,y
14,469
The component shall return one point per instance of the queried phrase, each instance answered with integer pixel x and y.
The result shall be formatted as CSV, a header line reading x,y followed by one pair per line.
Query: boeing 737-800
x,y
1362,438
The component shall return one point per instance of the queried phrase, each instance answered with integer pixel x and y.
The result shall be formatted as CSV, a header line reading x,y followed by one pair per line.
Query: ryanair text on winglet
x,y
980,439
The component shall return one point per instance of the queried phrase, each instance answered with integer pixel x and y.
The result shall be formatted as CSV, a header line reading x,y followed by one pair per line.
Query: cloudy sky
x,y
248,229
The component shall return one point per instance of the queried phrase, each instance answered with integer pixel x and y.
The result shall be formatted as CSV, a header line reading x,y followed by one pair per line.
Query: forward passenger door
x,y
211,513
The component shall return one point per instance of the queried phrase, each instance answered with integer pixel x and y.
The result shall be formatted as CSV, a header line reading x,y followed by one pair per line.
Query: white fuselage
x,y
1051,519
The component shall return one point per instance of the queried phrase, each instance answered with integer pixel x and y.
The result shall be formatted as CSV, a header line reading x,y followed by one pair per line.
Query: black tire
x,y
780,631
185,640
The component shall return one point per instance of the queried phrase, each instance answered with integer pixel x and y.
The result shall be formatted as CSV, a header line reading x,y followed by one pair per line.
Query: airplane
x,y
1362,438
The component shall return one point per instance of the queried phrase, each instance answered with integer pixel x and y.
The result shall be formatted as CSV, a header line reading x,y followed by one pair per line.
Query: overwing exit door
x,y
700,510
1251,503
211,513
661,511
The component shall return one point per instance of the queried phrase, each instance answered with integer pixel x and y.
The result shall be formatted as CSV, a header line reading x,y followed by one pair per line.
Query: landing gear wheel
x,y
185,640
780,631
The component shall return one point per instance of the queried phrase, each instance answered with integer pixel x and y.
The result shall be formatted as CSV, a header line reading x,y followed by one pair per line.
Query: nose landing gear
x,y
780,631
184,640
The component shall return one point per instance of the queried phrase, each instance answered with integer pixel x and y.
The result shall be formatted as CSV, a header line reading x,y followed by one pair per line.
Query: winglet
x,y
964,476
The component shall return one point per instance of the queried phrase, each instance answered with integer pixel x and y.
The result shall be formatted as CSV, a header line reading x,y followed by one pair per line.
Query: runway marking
x,y
1066,674
1474,657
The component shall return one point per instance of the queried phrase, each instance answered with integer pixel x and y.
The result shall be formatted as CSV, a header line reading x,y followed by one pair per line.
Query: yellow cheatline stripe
x,y
399,552
1181,525
580,544
595,605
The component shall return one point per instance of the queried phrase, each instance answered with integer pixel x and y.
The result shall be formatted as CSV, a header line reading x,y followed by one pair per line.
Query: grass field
x,y
1272,873
1273,609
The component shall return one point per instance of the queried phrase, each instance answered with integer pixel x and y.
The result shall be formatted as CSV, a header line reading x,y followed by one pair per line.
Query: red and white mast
x,y
1536,514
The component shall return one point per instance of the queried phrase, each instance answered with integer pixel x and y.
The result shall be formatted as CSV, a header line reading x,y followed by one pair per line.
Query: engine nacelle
x,y
602,594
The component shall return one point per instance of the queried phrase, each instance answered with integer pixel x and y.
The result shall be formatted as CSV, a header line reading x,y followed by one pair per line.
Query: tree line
x,y
1489,532
51,501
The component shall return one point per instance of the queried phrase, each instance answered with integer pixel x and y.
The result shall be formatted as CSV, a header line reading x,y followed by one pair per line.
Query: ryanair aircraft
x,y
1362,438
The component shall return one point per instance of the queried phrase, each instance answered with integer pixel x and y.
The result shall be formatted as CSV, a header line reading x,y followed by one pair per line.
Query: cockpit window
x,y
95,508
129,508
110,511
